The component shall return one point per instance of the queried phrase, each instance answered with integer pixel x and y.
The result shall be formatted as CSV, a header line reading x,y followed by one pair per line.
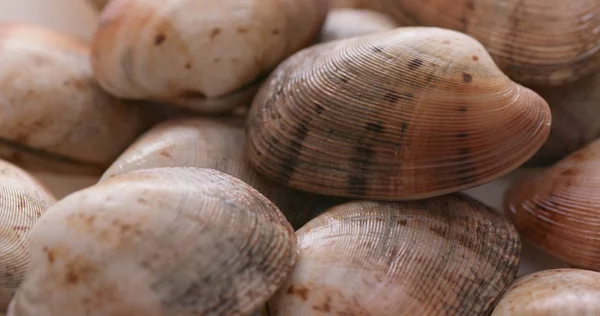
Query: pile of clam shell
x,y
302,157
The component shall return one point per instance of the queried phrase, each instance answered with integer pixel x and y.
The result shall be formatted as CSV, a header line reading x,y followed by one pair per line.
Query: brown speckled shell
x,y
345,23
217,144
559,209
404,114
22,201
546,42
558,292
55,117
575,118
157,242
449,255
193,53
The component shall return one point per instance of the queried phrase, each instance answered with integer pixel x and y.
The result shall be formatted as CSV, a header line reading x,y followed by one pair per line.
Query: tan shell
x,y
157,242
559,292
98,4
559,210
345,23
575,118
195,52
216,144
444,256
22,201
547,42
389,116
54,116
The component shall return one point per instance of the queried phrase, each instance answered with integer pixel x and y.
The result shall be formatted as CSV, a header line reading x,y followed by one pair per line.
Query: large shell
x,y
575,118
449,255
190,52
54,117
559,210
403,114
22,201
157,242
217,144
547,42
559,292
345,23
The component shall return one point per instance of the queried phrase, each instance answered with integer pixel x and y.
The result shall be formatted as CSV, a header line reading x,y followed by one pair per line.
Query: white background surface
x,y
78,18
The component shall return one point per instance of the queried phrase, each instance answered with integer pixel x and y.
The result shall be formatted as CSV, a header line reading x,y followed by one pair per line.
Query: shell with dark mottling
x,y
545,42
217,144
55,117
403,114
449,255
206,55
558,292
157,242
559,209
23,199
345,23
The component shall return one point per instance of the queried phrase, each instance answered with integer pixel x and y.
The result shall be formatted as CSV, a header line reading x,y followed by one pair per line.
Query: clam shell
x,y
545,42
575,119
559,209
157,242
404,114
449,255
22,201
345,23
192,52
558,292
217,144
55,117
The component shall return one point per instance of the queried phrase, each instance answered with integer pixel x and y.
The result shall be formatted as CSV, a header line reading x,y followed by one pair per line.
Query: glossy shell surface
x,y
559,292
404,114
157,242
444,256
559,209
546,42
22,201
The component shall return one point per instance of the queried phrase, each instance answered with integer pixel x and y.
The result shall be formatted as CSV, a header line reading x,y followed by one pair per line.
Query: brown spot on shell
x,y
165,153
213,34
299,291
242,30
415,64
275,31
467,78
159,39
188,65
475,58
325,306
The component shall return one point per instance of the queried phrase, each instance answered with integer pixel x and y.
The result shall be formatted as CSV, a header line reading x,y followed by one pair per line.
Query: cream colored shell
x,y
444,256
157,242
190,52
345,23
22,201
559,292
217,144
55,117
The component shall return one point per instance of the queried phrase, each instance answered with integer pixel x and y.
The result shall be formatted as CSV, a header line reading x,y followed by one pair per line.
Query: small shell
x,y
215,144
559,292
546,42
389,116
54,116
575,119
559,210
191,52
157,242
345,23
445,256
22,201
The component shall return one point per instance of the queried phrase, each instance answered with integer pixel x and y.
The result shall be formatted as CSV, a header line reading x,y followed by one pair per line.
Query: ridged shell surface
x,y
559,292
545,42
157,242
345,23
575,119
404,114
55,117
196,51
449,255
559,210
22,201
217,144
